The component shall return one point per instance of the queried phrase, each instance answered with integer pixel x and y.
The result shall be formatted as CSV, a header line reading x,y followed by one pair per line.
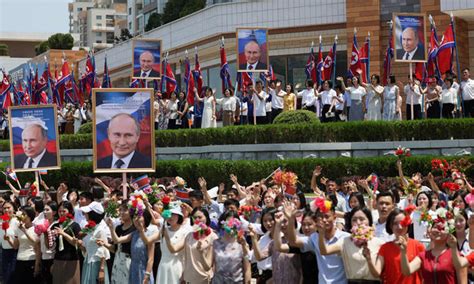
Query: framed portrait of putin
x,y
252,49
34,138
409,37
146,59
123,130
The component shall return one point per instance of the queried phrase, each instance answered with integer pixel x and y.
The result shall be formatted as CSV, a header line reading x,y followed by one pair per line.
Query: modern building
x,y
292,25
97,23
139,11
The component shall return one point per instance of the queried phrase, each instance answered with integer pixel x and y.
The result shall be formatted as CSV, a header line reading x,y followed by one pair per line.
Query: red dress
x,y
438,269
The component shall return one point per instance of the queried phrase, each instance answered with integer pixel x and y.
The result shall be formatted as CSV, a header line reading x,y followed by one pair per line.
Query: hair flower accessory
x,y
321,204
361,234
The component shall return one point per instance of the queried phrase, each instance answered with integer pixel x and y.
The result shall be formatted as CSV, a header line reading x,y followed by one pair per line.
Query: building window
x,y
99,41
129,11
98,34
98,17
79,9
99,25
130,26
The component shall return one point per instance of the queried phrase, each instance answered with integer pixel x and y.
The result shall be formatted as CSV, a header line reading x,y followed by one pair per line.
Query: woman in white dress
x,y
390,97
374,98
77,118
209,112
356,92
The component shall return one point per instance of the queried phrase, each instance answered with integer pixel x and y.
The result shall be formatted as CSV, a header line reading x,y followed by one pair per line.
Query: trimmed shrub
x,y
85,128
295,117
216,172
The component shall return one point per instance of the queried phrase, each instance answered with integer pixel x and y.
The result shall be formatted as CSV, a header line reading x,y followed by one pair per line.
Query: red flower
x,y
165,200
406,221
399,152
449,215
5,217
409,209
5,226
196,235
408,154
62,219
442,204
451,186
91,224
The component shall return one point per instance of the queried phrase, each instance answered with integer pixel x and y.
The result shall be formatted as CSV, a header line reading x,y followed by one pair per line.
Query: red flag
x,y
445,50
364,61
328,64
197,74
225,73
355,64
5,95
189,82
243,80
168,79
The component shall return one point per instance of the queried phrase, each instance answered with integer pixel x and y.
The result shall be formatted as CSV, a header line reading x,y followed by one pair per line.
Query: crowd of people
x,y
354,230
347,100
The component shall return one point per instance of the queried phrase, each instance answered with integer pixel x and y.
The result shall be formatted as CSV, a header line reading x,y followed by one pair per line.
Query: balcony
x,y
102,29
102,45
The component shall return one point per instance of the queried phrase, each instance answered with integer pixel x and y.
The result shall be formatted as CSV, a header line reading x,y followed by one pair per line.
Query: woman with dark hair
x,y
449,98
299,200
289,99
432,98
121,236
197,248
172,108
182,120
209,110
94,267
327,96
386,265
230,263
391,93
356,199
229,106
355,266
27,261
357,93
47,239
6,236
264,262
423,203
374,98
66,267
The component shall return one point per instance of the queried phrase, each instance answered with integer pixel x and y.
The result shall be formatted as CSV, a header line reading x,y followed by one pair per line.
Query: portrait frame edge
x,y
394,37
10,130
133,57
95,169
237,49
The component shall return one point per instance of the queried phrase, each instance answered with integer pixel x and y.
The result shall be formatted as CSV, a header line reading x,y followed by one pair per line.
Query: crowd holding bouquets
x,y
360,229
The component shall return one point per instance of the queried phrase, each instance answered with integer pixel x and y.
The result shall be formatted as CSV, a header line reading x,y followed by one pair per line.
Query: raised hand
x,y
452,241
233,178
317,171
366,252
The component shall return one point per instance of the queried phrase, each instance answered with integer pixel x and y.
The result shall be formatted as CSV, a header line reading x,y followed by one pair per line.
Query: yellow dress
x,y
289,102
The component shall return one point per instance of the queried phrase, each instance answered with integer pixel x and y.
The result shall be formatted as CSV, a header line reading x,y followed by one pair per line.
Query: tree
x,y
175,9
3,49
153,22
61,41
42,47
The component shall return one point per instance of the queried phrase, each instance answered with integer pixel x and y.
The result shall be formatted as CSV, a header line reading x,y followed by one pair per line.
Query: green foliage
x,y
154,21
296,116
175,9
3,49
42,47
85,128
366,131
216,172
61,41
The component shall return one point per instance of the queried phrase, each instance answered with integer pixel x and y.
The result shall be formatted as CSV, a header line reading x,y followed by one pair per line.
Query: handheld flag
x,y
225,73
355,67
189,81
106,83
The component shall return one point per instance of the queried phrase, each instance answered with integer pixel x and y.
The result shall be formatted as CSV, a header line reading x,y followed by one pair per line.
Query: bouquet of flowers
x,y
410,187
89,228
248,211
361,234
41,227
136,204
233,227
444,221
287,179
321,204
442,165
5,222
201,230
407,220
402,152
425,217
180,182
451,186
111,208
19,216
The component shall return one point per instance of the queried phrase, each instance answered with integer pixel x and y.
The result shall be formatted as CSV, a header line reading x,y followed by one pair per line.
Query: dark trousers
x,y
269,117
416,112
156,125
63,127
275,113
323,114
244,120
310,108
434,110
24,271
197,122
8,265
448,110
172,124
250,119
46,276
468,108
261,120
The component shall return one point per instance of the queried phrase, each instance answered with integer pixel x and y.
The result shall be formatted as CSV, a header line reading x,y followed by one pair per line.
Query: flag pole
x,y
333,79
124,185
458,67
412,110
368,59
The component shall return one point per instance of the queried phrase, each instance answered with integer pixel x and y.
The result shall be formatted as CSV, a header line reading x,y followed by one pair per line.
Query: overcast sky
x,y
34,16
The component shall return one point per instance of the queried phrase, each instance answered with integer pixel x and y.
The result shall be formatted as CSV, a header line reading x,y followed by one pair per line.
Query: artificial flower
x,y
89,228
409,209
361,234
406,221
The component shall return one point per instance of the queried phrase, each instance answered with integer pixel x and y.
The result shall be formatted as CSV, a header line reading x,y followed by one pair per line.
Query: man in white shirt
x,y
308,100
277,101
259,98
385,204
413,95
467,93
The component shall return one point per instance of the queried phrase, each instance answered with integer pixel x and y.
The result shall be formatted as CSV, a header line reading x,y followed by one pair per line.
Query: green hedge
x,y
249,171
363,131
85,128
295,117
